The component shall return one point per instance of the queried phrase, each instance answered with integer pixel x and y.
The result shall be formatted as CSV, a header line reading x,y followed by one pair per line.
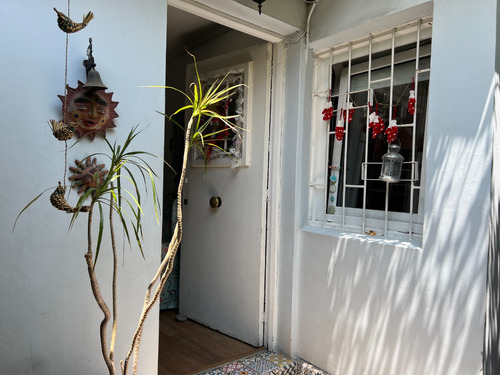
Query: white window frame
x,y
404,226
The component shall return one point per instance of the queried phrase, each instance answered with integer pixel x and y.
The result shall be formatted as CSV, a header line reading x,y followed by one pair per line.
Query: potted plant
x,y
101,189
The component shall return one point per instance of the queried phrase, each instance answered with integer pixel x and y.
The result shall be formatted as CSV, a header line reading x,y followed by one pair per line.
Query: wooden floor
x,y
188,348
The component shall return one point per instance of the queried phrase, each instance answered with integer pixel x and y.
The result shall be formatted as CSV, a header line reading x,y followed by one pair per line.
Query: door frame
x,y
274,32
273,216
238,17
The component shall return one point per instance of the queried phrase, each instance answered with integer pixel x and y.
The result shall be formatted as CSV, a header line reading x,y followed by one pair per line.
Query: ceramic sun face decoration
x,y
92,110
87,174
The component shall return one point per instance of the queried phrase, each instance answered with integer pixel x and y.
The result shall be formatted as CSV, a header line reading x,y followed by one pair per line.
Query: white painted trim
x,y
377,25
299,194
274,224
237,17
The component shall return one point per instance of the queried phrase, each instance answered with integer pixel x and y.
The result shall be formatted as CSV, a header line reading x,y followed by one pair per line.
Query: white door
x,y
222,264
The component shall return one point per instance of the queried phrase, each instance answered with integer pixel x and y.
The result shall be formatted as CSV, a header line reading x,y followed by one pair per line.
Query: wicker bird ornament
x,y
58,201
63,131
68,26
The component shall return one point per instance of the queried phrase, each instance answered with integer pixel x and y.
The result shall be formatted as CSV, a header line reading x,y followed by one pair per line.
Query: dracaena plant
x,y
119,191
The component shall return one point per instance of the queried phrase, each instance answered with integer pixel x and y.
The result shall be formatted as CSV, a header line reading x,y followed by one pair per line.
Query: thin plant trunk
x,y
115,278
166,265
98,297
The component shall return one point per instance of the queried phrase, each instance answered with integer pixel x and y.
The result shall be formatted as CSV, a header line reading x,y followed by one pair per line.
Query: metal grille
x,y
380,59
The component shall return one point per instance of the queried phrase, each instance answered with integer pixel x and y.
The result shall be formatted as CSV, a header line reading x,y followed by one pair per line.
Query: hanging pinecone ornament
x,y
328,111
392,131
411,102
339,130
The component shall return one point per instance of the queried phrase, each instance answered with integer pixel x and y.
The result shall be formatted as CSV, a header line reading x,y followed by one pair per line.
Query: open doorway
x,y
207,40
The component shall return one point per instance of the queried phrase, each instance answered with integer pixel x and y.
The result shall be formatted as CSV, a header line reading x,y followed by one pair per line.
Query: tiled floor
x,y
265,363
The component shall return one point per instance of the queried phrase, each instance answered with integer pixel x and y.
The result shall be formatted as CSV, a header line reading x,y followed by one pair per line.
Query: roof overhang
x,y
238,17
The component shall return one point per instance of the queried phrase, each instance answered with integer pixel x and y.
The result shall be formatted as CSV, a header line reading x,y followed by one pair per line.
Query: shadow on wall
x,y
492,344
367,307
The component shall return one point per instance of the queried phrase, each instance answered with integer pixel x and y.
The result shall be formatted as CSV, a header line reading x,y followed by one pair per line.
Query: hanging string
x,y
403,94
65,99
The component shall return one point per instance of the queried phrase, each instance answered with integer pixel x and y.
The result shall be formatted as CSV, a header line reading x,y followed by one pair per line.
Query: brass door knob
x,y
215,202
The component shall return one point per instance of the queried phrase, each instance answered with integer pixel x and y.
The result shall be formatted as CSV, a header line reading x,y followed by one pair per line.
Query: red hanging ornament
x,y
412,99
379,127
392,131
339,130
376,123
349,110
328,111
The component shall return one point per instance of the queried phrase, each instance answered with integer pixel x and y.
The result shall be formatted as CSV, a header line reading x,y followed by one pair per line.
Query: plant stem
x,y
173,246
98,297
115,277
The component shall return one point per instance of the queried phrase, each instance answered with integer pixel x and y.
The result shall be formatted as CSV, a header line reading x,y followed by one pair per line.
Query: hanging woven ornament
x,y
328,111
69,26
340,130
392,131
58,201
63,131
412,99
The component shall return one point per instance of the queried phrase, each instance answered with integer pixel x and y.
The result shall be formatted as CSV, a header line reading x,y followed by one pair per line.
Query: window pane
x,y
357,137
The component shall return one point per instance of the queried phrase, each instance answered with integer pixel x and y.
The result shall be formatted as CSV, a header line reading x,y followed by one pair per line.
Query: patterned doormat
x,y
265,363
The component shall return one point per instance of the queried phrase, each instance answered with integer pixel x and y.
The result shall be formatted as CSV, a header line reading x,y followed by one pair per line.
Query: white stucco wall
x,y
48,318
359,307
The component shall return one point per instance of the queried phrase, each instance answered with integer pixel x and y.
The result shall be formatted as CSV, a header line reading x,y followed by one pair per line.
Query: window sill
x,y
364,238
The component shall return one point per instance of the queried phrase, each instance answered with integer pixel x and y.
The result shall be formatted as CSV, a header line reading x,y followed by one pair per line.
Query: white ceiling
x,y
185,30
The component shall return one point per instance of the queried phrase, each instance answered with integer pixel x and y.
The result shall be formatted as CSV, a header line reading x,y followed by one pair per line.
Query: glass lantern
x,y
392,163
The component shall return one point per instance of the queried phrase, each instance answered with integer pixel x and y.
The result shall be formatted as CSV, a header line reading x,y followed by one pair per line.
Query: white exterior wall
x,y
359,307
48,318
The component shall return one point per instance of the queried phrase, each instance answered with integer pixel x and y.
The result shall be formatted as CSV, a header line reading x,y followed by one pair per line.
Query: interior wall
x,y
362,306
226,42
49,321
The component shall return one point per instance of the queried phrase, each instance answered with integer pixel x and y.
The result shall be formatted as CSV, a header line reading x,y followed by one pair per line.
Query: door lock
x,y
215,202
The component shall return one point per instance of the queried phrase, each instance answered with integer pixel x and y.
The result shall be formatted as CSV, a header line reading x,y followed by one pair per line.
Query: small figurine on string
x,y
328,111
412,99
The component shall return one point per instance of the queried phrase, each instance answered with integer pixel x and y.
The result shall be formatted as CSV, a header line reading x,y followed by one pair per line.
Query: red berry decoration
x,y
392,132
351,112
328,112
376,124
411,103
339,133
378,128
